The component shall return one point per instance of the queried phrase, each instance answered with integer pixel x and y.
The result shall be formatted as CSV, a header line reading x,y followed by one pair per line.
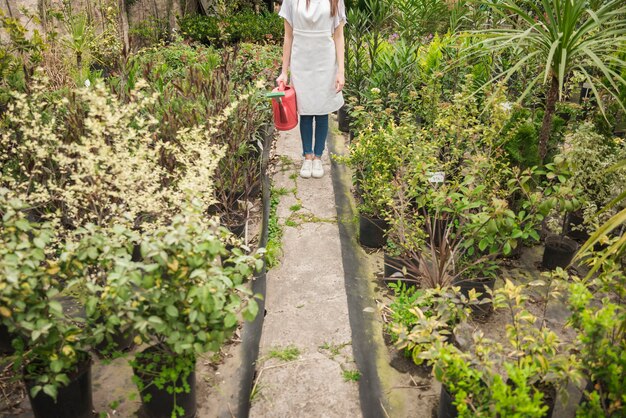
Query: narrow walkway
x,y
306,366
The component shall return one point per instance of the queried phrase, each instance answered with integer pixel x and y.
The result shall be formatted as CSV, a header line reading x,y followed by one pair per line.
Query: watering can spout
x,y
284,107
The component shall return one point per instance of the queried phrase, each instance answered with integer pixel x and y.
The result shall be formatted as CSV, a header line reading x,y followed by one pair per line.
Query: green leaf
x,y
35,390
35,334
55,307
56,366
507,248
252,311
62,379
92,252
155,321
534,234
50,390
484,243
23,225
230,320
171,311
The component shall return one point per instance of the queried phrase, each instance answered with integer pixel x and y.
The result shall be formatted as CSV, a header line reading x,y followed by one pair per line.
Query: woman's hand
x,y
283,77
340,81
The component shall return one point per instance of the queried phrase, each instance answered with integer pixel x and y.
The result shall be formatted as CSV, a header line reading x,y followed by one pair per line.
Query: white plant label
x,y
436,176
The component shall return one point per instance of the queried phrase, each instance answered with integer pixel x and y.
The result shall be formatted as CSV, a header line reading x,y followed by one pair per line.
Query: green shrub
x,y
521,135
257,62
162,65
421,318
242,27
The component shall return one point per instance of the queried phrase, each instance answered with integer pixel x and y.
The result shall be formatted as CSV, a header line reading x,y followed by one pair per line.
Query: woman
x,y
313,51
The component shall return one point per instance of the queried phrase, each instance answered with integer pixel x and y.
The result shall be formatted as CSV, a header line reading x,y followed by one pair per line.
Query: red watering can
x,y
284,106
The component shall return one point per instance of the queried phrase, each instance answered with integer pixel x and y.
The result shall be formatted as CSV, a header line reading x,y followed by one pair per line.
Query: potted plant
x,y
422,317
559,249
51,350
589,156
518,378
397,263
375,159
479,228
601,339
534,343
469,389
188,305
101,260
453,186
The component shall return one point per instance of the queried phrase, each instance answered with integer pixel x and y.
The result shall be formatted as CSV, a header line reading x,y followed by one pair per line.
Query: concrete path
x,y
306,367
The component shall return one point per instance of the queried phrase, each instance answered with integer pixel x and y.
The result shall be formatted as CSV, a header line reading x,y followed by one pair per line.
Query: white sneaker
x,y
318,170
305,171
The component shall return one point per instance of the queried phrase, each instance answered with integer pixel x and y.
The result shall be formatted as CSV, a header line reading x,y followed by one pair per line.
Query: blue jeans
x,y
306,132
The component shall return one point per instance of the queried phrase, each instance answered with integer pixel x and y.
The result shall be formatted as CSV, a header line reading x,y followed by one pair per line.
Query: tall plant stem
x,y
546,125
124,29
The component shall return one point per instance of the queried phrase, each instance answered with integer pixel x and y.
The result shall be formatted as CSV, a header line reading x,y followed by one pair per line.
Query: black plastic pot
x,y
446,408
393,265
5,341
550,400
117,342
238,229
483,309
161,403
574,227
558,252
343,119
372,231
73,400
255,190
136,255
588,389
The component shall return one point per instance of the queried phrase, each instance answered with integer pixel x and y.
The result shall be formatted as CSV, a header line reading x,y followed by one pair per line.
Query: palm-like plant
x,y
564,36
80,37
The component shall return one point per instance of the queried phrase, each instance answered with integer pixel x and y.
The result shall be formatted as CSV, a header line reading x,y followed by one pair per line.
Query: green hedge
x,y
242,27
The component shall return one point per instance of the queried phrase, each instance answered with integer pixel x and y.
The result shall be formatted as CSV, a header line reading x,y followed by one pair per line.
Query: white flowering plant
x,y
590,157
88,158
210,93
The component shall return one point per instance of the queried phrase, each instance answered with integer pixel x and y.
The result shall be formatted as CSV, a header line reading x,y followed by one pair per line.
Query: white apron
x,y
314,58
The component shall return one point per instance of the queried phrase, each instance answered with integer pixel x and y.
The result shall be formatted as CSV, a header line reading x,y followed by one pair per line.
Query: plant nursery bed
x,y
115,393
427,389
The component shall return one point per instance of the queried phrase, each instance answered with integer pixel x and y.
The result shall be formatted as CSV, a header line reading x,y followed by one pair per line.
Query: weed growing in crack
x,y
281,191
351,375
295,208
333,349
255,393
291,223
288,353
274,245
